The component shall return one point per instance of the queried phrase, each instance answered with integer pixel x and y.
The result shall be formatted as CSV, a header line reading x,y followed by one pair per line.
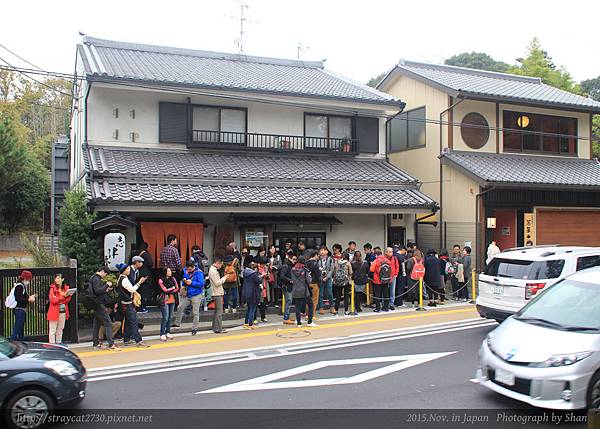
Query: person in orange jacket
x,y
384,269
58,311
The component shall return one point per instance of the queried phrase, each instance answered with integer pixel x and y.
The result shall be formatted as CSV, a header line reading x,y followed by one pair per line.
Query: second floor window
x,y
329,132
219,124
407,130
528,132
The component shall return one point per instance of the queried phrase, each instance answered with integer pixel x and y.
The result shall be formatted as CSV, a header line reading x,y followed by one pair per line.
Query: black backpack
x,y
385,272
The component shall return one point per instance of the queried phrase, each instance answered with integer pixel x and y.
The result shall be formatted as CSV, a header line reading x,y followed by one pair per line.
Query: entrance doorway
x,y
396,234
313,240
505,233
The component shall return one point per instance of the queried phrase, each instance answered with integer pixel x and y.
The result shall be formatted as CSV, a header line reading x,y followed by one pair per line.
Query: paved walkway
x,y
269,334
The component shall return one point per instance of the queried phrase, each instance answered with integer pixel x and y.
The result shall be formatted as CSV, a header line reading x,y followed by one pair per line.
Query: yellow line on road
x,y
223,338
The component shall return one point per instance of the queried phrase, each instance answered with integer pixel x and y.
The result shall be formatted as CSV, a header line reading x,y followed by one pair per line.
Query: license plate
x,y
498,290
505,377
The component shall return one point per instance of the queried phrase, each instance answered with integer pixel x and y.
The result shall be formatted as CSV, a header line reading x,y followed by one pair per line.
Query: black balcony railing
x,y
275,142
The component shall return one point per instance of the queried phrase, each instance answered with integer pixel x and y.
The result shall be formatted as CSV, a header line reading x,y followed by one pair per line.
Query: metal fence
x,y
36,324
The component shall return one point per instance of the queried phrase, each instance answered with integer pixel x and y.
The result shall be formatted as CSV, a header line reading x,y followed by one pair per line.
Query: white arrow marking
x,y
267,382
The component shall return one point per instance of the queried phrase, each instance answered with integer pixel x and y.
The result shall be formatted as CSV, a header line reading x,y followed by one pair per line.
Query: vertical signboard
x,y
529,228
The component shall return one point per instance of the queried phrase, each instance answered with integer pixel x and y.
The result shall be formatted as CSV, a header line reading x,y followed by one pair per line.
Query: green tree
x,y
375,80
591,87
477,60
539,64
76,238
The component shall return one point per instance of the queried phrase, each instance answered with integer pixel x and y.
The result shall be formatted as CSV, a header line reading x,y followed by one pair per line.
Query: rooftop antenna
x,y
239,42
300,49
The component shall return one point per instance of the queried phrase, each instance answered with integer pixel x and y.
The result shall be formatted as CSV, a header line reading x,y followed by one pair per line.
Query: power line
x,y
34,79
20,57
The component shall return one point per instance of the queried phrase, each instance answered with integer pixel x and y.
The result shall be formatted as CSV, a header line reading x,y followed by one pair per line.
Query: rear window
x,y
526,270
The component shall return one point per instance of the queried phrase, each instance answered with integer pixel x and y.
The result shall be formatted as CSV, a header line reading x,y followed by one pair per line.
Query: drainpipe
x,y
442,113
85,116
477,214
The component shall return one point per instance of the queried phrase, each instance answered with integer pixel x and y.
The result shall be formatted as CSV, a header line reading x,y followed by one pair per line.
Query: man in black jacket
x,y
94,299
285,280
312,264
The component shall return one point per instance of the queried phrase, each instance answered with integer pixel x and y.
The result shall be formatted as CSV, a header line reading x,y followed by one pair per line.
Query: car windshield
x,y
7,349
567,305
523,269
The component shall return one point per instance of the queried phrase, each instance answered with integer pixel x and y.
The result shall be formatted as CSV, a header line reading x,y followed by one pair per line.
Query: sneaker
x,y
288,322
114,348
346,313
98,346
169,336
163,338
299,325
392,308
264,320
194,331
175,325
312,325
128,343
376,311
227,310
321,311
142,345
220,332
143,310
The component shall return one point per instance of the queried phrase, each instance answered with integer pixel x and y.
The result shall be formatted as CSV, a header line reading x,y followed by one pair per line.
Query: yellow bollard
x,y
368,289
421,308
282,301
352,304
473,286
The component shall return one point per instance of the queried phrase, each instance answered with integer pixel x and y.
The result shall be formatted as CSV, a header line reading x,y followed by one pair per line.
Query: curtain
x,y
188,234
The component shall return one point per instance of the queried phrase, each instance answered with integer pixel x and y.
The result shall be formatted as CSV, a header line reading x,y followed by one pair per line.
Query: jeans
x,y
288,303
393,291
196,301
167,311
400,290
326,292
131,324
455,286
101,318
300,304
18,332
338,295
233,294
250,314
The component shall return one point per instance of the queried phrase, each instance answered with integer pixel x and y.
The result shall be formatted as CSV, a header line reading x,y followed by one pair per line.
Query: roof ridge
x,y
169,50
476,72
553,158
372,90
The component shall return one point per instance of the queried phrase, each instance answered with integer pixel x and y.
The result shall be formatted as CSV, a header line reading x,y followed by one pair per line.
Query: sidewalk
x,y
273,333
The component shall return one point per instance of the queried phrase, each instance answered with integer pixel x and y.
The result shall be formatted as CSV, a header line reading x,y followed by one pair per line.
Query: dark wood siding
x,y
172,123
367,133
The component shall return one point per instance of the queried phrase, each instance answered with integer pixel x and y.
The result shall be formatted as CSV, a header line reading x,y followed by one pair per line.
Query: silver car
x,y
548,354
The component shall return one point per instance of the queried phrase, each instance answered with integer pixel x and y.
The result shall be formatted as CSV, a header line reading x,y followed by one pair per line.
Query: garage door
x,y
568,227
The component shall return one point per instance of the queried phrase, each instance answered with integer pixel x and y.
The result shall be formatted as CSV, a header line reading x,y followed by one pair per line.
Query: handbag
x,y
137,299
230,273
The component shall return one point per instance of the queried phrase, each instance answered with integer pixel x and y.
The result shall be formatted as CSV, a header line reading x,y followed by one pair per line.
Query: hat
x,y
121,267
26,275
137,259
228,259
431,251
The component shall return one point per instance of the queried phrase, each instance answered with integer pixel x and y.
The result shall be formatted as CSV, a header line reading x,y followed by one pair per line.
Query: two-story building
x,y
507,157
217,147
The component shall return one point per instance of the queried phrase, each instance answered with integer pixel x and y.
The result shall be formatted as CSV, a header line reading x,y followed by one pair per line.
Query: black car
x,y
36,378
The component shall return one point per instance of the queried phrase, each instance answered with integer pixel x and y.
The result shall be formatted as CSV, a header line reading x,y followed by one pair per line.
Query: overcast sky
x,y
359,39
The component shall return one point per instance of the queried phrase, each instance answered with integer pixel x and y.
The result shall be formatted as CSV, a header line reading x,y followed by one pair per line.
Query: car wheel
x,y
593,393
28,409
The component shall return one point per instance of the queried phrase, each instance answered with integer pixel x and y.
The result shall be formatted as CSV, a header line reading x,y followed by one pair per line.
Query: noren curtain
x,y
188,234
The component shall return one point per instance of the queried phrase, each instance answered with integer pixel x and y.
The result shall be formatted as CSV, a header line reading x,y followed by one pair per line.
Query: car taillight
x,y
532,288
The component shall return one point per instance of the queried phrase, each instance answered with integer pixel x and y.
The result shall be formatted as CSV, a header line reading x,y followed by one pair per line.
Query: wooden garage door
x,y
568,227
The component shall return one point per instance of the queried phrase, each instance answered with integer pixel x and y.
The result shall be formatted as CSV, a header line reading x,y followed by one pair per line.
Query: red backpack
x,y
418,270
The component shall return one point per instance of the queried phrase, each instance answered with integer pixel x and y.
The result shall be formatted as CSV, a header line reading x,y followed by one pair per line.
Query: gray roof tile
x,y
474,83
111,60
506,169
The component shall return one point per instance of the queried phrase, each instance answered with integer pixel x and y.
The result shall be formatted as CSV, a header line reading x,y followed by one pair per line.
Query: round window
x,y
474,130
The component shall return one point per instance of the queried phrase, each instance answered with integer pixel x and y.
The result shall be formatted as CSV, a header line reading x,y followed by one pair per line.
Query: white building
x,y
217,147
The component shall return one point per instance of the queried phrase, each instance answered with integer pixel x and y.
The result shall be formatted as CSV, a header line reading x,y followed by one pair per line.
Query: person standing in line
x,y
166,301
146,271
275,263
360,276
342,273
369,255
455,260
288,245
200,259
326,280
416,268
23,299
383,268
350,250
312,265
251,291
58,310
467,267
169,256
232,284
126,291
301,292
263,272
137,262
216,282
401,280
285,281
192,290
94,297
444,274
432,277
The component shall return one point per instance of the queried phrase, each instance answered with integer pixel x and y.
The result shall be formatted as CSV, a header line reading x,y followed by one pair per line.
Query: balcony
x,y
271,142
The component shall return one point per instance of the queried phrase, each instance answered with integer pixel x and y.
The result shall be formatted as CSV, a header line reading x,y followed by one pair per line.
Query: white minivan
x,y
514,277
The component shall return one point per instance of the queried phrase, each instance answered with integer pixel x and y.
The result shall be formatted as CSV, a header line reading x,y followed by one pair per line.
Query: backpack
x,y
231,273
385,271
449,268
340,275
10,301
418,270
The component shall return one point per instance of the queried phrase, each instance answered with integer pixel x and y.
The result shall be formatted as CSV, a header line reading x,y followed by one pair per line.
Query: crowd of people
x,y
313,281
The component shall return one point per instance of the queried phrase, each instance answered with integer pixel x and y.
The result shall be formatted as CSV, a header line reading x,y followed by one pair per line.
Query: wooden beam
x,y
497,127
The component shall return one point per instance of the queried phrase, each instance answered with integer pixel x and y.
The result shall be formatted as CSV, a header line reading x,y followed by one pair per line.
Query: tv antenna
x,y
239,42
300,49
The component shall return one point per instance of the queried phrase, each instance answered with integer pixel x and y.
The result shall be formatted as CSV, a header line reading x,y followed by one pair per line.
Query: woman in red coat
x,y
58,312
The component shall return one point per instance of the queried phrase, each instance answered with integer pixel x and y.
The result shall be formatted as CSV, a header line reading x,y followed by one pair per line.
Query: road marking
x,y
219,339
237,359
474,380
268,382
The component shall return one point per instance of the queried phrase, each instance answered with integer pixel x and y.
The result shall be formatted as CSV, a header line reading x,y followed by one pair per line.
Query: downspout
x,y
477,214
442,113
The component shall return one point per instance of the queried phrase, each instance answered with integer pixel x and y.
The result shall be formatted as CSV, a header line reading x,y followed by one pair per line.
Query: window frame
x,y
541,117
485,128
388,144
220,109
580,258
329,116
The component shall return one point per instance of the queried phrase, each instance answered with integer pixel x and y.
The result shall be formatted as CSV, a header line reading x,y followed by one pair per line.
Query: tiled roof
x,y
471,83
108,60
214,179
505,169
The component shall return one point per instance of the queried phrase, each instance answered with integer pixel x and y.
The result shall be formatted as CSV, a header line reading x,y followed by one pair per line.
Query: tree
x,y
539,64
76,238
477,60
591,87
375,80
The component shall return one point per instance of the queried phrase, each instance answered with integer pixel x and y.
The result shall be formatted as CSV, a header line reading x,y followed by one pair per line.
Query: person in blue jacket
x,y
192,290
251,292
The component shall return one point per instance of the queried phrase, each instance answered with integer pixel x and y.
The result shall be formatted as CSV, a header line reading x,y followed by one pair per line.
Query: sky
x,y
359,39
